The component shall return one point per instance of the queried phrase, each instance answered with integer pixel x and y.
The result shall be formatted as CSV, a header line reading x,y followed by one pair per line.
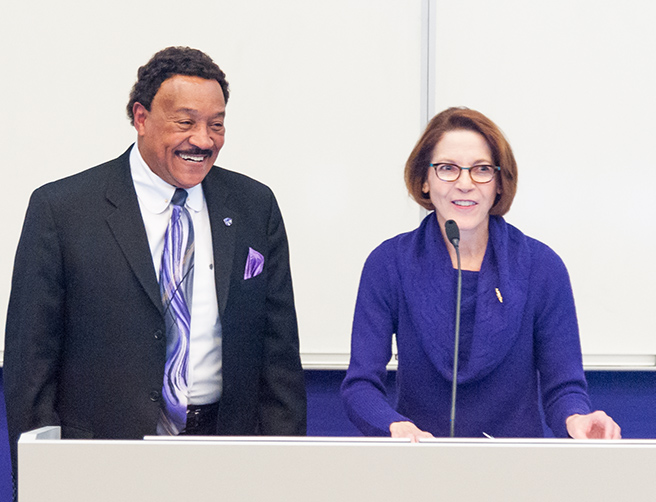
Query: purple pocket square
x,y
254,264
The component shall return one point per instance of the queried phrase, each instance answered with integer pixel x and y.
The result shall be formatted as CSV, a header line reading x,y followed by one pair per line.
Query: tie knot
x,y
179,197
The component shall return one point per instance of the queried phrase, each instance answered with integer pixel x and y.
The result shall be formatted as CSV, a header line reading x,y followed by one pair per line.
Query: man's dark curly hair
x,y
168,63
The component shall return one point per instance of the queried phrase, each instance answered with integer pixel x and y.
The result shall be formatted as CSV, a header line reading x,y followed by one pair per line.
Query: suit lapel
x,y
127,226
224,222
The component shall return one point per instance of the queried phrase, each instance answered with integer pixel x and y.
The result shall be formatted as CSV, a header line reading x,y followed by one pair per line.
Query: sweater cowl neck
x,y
429,289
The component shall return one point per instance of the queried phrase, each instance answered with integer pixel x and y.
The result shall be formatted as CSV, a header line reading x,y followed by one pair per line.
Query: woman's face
x,y
464,201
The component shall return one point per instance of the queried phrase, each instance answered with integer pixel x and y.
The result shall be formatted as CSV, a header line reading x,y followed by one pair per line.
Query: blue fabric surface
x,y
5,460
525,326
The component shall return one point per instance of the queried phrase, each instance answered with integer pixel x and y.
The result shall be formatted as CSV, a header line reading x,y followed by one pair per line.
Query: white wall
x,y
573,85
326,105
324,108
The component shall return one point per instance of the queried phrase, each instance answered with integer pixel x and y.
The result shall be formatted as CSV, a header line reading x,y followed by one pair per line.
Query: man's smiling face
x,y
180,137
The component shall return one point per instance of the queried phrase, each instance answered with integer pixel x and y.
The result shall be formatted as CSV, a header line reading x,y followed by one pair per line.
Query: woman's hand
x,y
408,430
596,425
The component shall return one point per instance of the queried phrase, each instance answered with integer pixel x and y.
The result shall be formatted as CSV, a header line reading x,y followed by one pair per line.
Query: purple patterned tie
x,y
175,284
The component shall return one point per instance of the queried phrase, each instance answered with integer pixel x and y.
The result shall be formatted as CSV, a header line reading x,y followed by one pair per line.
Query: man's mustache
x,y
196,151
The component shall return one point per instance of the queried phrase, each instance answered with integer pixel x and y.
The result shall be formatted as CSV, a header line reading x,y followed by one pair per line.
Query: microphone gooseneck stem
x,y
455,349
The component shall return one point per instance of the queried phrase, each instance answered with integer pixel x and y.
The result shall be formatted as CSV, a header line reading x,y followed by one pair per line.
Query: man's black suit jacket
x,y
85,339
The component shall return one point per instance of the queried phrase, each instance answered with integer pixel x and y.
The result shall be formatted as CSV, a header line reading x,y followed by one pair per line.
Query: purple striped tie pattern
x,y
175,284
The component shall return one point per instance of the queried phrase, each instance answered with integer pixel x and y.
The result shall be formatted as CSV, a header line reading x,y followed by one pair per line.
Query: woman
x,y
519,344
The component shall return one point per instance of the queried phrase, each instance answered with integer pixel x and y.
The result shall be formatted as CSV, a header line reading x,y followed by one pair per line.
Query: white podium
x,y
237,469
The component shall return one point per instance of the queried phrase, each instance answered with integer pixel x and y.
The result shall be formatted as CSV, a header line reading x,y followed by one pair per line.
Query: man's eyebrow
x,y
192,111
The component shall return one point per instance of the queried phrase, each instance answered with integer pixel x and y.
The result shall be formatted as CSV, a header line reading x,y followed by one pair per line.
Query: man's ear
x,y
140,115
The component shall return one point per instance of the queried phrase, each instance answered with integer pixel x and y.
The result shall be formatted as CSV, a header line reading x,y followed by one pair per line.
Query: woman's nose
x,y
464,181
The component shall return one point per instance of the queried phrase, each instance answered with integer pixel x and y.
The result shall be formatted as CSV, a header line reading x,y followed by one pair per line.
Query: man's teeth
x,y
464,202
193,158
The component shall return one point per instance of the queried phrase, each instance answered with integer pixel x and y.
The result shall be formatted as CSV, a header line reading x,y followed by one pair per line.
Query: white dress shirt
x,y
154,194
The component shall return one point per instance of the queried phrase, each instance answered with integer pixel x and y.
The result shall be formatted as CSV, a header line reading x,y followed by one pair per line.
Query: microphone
x,y
453,234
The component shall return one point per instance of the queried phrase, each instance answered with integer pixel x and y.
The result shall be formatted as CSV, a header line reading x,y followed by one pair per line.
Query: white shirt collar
x,y
154,193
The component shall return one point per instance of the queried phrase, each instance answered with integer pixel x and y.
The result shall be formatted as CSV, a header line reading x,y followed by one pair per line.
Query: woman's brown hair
x,y
416,168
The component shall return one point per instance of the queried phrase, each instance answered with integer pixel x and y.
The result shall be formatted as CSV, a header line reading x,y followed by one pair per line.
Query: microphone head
x,y
452,232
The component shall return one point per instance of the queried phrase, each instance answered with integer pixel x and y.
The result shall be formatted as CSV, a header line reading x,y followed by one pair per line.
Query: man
x,y
152,294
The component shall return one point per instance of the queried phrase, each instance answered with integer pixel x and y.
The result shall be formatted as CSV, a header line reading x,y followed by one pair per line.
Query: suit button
x,y
159,334
155,396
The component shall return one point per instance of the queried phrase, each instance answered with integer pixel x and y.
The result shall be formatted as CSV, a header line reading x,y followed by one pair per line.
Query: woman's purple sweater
x,y
522,347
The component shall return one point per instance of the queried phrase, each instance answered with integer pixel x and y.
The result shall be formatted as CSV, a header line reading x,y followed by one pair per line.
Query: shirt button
x,y
159,334
155,395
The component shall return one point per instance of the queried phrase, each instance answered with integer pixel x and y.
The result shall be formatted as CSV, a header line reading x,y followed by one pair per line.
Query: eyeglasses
x,y
479,174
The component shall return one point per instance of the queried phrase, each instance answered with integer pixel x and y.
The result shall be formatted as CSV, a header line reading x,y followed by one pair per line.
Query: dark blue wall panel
x,y
629,397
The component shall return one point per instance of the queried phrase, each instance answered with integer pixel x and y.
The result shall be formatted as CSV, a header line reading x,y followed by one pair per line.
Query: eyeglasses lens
x,y
479,174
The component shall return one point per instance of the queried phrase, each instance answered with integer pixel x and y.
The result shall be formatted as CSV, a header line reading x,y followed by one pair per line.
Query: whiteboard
x,y
327,101
572,83
324,108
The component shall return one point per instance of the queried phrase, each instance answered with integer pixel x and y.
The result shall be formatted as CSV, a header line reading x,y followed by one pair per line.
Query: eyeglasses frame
x,y
461,169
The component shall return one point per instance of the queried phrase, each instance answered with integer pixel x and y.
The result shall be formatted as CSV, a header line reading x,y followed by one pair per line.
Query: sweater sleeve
x,y
557,344
375,320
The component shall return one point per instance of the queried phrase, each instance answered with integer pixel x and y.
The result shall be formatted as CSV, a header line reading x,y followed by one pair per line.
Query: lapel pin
x,y
499,295
227,221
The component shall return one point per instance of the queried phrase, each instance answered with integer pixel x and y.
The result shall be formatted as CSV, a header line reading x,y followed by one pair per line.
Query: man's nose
x,y
201,138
